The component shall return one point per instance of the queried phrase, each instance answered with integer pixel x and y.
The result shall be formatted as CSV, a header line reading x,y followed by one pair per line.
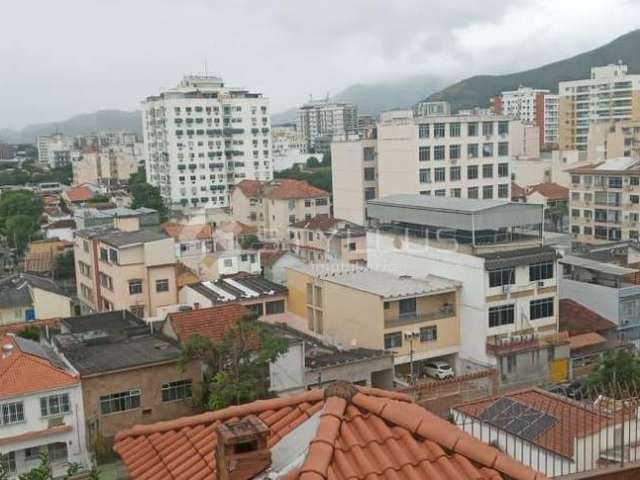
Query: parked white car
x,y
439,370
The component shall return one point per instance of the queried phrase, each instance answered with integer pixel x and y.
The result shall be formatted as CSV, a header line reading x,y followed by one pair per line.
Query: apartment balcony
x,y
446,311
522,341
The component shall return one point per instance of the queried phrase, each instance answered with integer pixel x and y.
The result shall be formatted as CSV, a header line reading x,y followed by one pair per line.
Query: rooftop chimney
x,y
7,349
242,450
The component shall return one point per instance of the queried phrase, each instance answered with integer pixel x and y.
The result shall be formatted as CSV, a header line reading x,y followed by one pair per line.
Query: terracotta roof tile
x,y
282,189
188,232
550,190
212,323
368,434
79,194
517,192
319,222
586,340
577,319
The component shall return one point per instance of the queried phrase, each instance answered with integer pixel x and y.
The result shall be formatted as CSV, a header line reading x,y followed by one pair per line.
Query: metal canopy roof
x,y
603,267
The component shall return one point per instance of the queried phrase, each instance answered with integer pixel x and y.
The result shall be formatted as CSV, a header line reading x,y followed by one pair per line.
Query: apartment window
x,y
162,285
503,149
393,340
503,190
113,255
55,405
615,182
487,128
321,202
454,174
487,149
120,402
575,179
429,334
634,181
472,192
542,308
503,169
369,154
634,199
104,255
425,175
292,204
369,193
292,219
85,246
472,172
503,128
307,203
369,174
440,193
454,152
11,412
275,307
438,152
135,287
503,276
472,129
423,130
424,154
487,192
456,192
487,170
106,281
439,174
472,150
438,130
540,271
454,129
180,390
502,315
407,307
256,309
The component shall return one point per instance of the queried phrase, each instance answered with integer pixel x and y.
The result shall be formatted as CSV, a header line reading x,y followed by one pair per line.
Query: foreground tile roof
x,y
30,368
280,189
365,433
212,323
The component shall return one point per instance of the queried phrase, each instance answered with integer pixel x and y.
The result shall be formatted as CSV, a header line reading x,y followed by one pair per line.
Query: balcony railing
x,y
523,341
446,311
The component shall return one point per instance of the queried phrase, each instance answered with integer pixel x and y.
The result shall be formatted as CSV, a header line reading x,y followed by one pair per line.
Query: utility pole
x,y
411,336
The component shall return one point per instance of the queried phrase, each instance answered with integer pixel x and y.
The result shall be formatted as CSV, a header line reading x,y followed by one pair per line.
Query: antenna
x,y
205,66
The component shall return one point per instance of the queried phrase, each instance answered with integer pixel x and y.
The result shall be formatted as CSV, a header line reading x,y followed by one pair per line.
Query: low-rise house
x,y
60,229
211,322
129,373
192,242
42,409
125,267
259,295
414,317
275,263
327,239
40,257
80,194
272,206
335,433
25,298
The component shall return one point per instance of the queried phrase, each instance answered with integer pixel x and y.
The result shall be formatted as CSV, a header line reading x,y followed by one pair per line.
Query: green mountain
x,y
103,120
477,90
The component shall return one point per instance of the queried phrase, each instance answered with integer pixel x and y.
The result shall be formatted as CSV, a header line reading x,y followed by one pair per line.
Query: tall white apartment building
x,y
56,150
201,138
550,122
610,94
465,156
318,122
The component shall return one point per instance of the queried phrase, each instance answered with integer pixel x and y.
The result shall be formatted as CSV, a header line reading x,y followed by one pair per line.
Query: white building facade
x,y
318,120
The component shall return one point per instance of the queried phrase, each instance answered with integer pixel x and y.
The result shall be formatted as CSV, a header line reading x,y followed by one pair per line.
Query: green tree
x,y
19,229
146,195
19,202
313,162
617,372
30,332
249,241
43,470
238,365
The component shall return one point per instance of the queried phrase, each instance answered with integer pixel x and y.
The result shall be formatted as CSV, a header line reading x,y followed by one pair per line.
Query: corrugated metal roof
x,y
603,267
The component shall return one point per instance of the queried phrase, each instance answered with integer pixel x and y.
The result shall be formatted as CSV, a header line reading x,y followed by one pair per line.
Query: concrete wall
x,y
347,172
50,305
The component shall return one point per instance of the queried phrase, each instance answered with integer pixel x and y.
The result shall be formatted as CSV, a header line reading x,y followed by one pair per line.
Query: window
x,y
275,307
454,129
503,149
256,309
487,192
180,390
440,193
472,192
135,287
504,276
12,412
425,175
423,130
438,130
321,202
85,246
487,170
162,285
575,179
503,190
454,152
503,128
369,174
104,254
106,281
54,405
541,308
472,172
502,315
503,169
439,174
113,255
352,246
292,219
429,334
456,192
472,129
424,154
119,402
369,193
438,152
487,149
407,307
393,340
540,271
487,128
454,174
472,150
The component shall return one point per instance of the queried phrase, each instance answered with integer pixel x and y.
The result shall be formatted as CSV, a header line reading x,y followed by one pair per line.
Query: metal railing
x,y
415,317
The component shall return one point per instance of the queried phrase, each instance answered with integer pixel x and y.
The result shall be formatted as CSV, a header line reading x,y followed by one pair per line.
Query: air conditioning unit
x,y
540,283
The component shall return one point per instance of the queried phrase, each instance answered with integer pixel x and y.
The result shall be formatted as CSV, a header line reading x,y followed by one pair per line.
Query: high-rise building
x,y
56,150
466,156
201,138
533,106
610,94
613,139
320,122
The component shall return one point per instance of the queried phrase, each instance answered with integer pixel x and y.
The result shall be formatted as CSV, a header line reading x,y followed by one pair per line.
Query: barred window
x,y
502,315
11,413
55,405
120,402
180,390
429,334
504,276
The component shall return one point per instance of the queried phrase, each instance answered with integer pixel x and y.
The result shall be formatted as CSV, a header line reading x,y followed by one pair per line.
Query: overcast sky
x,y
62,57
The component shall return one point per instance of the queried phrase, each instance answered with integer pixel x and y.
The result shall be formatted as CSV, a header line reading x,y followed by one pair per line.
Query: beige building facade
x,y
106,165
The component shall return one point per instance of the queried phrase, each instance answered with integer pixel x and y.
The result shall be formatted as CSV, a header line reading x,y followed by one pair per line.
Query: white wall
x,y
602,300
287,372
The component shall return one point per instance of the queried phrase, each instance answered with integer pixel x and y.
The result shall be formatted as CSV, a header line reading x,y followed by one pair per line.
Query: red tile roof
x,y
552,191
270,256
362,433
177,231
573,420
586,340
517,192
282,189
324,222
577,319
42,373
79,194
213,322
